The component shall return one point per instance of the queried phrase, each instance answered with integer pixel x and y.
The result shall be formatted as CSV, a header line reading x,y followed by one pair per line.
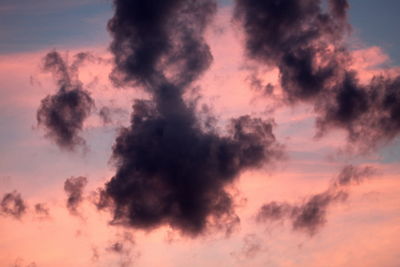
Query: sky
x,y
236,134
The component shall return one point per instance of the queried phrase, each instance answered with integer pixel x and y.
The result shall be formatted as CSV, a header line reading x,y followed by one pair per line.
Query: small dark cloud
x,y
123,247
13,205
74,187
273,211
310,215
62,115
42,211
352,175
257,84
116,247
108,114
105,115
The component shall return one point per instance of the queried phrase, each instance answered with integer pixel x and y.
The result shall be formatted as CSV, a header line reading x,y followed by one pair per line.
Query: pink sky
x,y
363,231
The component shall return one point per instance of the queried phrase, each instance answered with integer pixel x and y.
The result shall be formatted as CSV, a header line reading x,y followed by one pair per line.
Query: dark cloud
x,y
62,114
105,115
74,188
339,8
256,83
126,258
310,215
108,114
153,38
273,211
369,113
13,205
353,175
124,248
306,42
291,34
171,170
116,247
42,210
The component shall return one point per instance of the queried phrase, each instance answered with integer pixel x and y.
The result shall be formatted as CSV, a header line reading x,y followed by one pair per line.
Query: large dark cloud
x,y
62,114
74,187
13,205
306,42
310,215
171,169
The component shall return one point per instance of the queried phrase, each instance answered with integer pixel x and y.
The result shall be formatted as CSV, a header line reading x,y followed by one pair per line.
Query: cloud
x,y
252,246
41,6
62,115
13,205
123,247
171,168
108,114
306,42
351,175
74,188
310,215
42,211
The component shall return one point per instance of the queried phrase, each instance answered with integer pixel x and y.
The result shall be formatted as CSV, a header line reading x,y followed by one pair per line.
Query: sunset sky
x,y
195,133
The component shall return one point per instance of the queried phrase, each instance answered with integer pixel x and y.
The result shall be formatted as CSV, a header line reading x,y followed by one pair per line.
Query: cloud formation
x,y
310,215
42,211
252,246
306,42
171,169
13,205
74,187
123,247
62,115
109,114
